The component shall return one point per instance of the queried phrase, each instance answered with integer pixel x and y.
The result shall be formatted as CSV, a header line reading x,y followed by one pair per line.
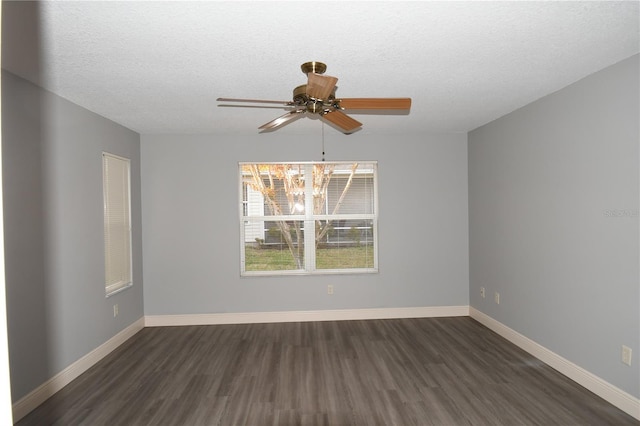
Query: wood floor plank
x,y
435,371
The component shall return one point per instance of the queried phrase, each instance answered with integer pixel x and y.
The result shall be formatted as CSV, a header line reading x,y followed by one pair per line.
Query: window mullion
x,y
344,216
309,223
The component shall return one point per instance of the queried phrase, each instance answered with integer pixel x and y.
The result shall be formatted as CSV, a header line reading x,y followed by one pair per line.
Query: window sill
x,y
118,290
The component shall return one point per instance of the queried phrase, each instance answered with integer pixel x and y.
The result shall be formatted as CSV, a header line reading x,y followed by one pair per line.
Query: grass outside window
x,y
273,259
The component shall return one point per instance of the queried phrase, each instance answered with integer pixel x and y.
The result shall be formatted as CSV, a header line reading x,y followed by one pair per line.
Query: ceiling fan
x,y
318,97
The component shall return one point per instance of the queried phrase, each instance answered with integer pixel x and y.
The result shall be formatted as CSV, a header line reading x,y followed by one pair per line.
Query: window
x,y
308,218
117,223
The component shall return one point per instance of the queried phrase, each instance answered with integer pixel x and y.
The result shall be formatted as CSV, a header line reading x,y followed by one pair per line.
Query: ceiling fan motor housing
x,y
312,105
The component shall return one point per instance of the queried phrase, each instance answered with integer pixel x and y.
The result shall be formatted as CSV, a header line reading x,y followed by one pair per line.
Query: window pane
x,y
350,190
273,189
347,245
273,245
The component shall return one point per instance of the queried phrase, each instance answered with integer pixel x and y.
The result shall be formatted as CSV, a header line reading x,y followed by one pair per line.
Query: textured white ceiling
x,y
158,67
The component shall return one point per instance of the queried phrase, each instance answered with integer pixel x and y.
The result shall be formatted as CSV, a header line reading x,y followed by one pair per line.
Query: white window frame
x,y
116,181
309,219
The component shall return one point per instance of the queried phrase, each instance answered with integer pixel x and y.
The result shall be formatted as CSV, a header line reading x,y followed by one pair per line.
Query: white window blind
x,y
117,222
308,218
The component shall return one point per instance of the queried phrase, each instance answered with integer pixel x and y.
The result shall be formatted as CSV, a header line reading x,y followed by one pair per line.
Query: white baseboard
x,y
305,316
36,397
617,397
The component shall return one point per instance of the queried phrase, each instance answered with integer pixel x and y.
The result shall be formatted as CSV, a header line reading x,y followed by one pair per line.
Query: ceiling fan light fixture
x,y
314,107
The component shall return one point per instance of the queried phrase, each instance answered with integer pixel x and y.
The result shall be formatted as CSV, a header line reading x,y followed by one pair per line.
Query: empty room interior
x,y
505,134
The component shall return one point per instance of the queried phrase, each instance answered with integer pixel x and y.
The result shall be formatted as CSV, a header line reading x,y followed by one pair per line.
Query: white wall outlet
x,y
330,289
115,310
626,355
496,297
482,292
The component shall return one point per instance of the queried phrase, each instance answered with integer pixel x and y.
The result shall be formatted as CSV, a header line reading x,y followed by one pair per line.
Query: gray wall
x,y
54,245
553,207
191,229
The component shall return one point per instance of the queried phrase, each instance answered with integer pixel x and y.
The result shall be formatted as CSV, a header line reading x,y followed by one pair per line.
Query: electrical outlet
x,y
626,355
330,289
482,292
115,310
496,297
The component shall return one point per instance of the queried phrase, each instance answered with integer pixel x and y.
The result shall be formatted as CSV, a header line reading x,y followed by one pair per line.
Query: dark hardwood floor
x,y
435,371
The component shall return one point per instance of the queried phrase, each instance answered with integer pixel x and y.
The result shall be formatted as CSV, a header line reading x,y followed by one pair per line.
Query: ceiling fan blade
x,y
320,86
375,103
285,107
281,121
342,120
255,101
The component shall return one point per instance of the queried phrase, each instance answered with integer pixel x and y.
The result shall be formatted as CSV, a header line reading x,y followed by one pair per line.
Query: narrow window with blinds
x,y
117,223
308,218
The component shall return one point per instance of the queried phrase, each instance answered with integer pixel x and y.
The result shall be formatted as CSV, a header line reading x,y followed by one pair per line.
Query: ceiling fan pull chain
x,y
322,141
